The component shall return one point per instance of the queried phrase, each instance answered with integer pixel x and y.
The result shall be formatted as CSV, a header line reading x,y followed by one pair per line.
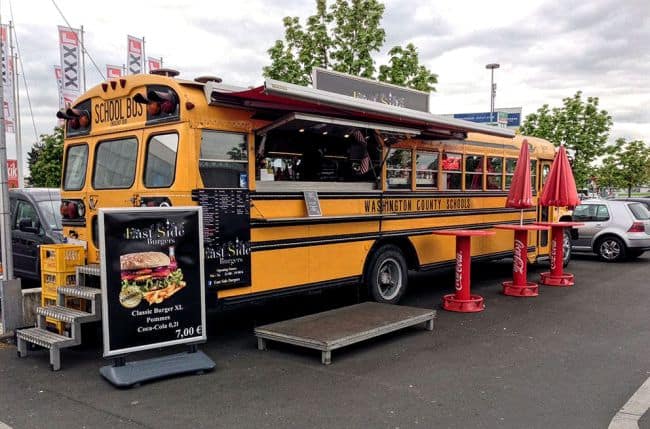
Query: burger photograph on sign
x,y
152,276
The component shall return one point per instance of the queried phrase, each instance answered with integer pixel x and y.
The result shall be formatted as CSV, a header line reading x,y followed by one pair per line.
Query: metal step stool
x,y
40,336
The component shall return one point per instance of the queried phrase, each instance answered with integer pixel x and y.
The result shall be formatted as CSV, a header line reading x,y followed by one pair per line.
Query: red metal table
x,y
463,301
520,286
557,276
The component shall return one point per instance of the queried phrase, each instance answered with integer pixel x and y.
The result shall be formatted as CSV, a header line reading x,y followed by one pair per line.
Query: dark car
x,y
643,200
35,220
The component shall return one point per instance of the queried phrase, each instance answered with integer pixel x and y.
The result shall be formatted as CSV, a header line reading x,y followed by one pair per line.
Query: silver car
x,y
615,230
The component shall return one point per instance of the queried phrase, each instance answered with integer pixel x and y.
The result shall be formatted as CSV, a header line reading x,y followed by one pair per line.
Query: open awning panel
x,y
282,96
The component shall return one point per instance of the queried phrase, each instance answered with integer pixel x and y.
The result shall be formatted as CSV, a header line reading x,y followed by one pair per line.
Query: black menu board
x,y
226,237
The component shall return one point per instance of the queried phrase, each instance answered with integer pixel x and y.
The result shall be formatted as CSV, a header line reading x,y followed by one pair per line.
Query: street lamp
x,y
493,88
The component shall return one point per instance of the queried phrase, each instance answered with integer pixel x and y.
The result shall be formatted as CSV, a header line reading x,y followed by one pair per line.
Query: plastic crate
x,y
52,280
51,324
61,257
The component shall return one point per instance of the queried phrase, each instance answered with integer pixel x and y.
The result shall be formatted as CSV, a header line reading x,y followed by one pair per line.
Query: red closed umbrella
x,y
560,186
520,195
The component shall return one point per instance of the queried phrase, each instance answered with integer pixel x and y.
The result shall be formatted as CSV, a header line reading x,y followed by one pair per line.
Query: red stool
x,y
520,286
557,276
462,301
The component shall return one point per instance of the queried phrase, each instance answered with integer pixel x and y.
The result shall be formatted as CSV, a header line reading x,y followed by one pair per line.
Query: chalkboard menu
x,y
152,278
312,203
226,237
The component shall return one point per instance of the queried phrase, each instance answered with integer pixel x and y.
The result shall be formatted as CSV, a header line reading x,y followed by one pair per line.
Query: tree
x,y
628,165
46,159
344,39
579,125
405,70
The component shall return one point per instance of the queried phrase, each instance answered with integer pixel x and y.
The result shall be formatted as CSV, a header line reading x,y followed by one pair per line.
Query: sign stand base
x,y
126,374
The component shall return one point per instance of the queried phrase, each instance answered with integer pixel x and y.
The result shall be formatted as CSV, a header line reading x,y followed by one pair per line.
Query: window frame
x,y
146,158
245,162
460,171
498,174
436,172
135,167
474,173
85,169
409,184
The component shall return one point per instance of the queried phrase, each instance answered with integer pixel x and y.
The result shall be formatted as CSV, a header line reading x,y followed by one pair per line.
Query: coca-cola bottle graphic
x,y
172,259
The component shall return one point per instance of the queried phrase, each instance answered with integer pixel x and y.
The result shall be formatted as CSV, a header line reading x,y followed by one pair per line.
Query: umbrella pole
x,y
521,217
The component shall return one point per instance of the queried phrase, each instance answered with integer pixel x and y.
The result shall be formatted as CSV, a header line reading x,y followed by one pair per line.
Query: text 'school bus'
x,y
301,188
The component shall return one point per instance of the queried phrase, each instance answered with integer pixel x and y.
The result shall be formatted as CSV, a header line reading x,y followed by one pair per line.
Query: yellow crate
x,y
52,280
53,325
61,257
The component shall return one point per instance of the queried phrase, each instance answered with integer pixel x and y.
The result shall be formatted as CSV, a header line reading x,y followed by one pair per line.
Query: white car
x,y
614,230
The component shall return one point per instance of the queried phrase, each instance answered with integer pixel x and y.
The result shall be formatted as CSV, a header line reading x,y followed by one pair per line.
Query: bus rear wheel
x,y
387,275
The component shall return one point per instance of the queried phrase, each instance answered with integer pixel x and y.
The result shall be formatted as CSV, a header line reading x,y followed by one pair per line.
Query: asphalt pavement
x,y
569,358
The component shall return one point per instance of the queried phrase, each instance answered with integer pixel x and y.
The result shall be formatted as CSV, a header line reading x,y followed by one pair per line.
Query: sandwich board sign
x,y
152,282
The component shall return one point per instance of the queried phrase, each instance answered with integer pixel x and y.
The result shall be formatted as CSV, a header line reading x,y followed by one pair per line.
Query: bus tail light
x,y
72,209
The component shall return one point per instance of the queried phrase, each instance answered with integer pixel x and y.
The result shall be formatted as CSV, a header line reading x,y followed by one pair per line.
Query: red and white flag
x,y
135,56
154,63
113,72
70,62
7,82
12,173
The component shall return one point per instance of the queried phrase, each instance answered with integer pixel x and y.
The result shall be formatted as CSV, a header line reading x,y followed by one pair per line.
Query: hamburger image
x,y
148,275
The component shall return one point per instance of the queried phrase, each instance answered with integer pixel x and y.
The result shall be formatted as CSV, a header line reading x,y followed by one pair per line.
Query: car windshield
x,y
51,214
639,211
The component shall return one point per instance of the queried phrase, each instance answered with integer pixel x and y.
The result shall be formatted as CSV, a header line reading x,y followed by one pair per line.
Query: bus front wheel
x,y
387,275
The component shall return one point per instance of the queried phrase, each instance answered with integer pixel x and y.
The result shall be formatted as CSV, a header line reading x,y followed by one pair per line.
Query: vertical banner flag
x,y
154,63
113,72
7,82
12,173
134,59
70,64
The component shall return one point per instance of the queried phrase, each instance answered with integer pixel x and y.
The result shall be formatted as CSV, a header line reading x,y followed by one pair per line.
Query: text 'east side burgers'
x,y
148,275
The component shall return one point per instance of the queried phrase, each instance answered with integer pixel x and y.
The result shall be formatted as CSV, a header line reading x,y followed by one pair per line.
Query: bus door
x,y
543,213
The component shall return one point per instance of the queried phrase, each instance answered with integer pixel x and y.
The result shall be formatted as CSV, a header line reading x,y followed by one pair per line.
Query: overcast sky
x,y
547,50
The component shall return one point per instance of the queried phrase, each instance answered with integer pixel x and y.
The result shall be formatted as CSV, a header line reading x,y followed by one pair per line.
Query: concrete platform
x,y
331,330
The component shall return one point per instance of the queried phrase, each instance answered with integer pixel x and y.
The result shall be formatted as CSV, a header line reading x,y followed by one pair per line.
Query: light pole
x,y
493,88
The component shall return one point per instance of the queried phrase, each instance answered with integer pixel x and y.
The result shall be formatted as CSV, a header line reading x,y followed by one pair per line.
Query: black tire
x,y
566,247
611,249
387,275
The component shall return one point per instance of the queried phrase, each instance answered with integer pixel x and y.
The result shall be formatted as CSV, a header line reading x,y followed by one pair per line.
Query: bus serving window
x,y
511,163
161,161
473,172
427,170
451,168
115,164
75,167
494,173
398,169
223,162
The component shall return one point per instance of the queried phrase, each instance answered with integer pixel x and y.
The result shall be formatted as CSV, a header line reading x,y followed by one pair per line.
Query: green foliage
x,y
344,38
627,166
579,125
46,159
405,70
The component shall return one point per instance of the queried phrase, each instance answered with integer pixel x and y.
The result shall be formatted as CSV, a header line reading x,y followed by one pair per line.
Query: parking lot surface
x,y
569,358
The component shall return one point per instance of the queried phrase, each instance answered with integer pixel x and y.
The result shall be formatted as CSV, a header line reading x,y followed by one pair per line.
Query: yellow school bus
x,y
338,190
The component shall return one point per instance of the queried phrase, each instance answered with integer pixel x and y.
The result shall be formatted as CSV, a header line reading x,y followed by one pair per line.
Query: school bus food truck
x,y
310,188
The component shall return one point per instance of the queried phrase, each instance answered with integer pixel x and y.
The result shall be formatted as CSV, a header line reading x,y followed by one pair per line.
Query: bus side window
x,y
494,172
160,167
452,176
474,172
223,162
398,169
511,163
